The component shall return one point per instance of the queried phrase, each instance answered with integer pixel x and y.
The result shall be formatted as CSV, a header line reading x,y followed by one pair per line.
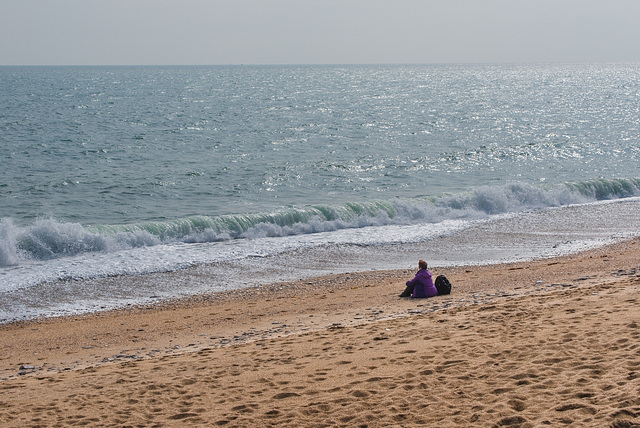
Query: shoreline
x,y
340,314
317,287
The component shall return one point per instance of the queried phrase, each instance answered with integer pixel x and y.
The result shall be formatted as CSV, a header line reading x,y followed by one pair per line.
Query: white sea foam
x,y
93,280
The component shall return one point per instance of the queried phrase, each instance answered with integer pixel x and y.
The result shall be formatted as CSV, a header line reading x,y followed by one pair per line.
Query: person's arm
x,y
413,281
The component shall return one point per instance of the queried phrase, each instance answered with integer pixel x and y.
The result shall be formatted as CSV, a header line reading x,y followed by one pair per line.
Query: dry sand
x,y
547,343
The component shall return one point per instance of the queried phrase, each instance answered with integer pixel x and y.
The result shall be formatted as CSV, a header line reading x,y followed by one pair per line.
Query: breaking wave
x,y
48,238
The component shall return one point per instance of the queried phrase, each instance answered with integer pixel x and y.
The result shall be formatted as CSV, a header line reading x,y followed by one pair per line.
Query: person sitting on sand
x,y
421,285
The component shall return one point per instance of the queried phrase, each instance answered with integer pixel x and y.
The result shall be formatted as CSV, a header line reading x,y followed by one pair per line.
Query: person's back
x,y
423,285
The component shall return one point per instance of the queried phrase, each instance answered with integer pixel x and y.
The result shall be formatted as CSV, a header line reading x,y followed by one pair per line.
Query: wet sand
x,y
546,343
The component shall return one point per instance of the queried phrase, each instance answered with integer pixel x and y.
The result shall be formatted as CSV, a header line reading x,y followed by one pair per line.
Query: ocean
x,y
123,186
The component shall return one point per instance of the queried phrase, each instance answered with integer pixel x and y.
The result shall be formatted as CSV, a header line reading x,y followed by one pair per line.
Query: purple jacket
x,y
423,285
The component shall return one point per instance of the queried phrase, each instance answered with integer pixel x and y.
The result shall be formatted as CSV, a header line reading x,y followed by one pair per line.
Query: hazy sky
x,y
78,32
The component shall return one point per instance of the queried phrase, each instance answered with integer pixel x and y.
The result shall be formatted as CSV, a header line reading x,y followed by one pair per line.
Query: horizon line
x,y
327,64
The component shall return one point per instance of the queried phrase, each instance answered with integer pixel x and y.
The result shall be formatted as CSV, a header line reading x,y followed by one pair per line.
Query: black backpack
x,y
443,285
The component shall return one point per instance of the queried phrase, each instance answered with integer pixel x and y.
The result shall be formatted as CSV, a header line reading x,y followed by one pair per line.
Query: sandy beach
x,y
546,343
